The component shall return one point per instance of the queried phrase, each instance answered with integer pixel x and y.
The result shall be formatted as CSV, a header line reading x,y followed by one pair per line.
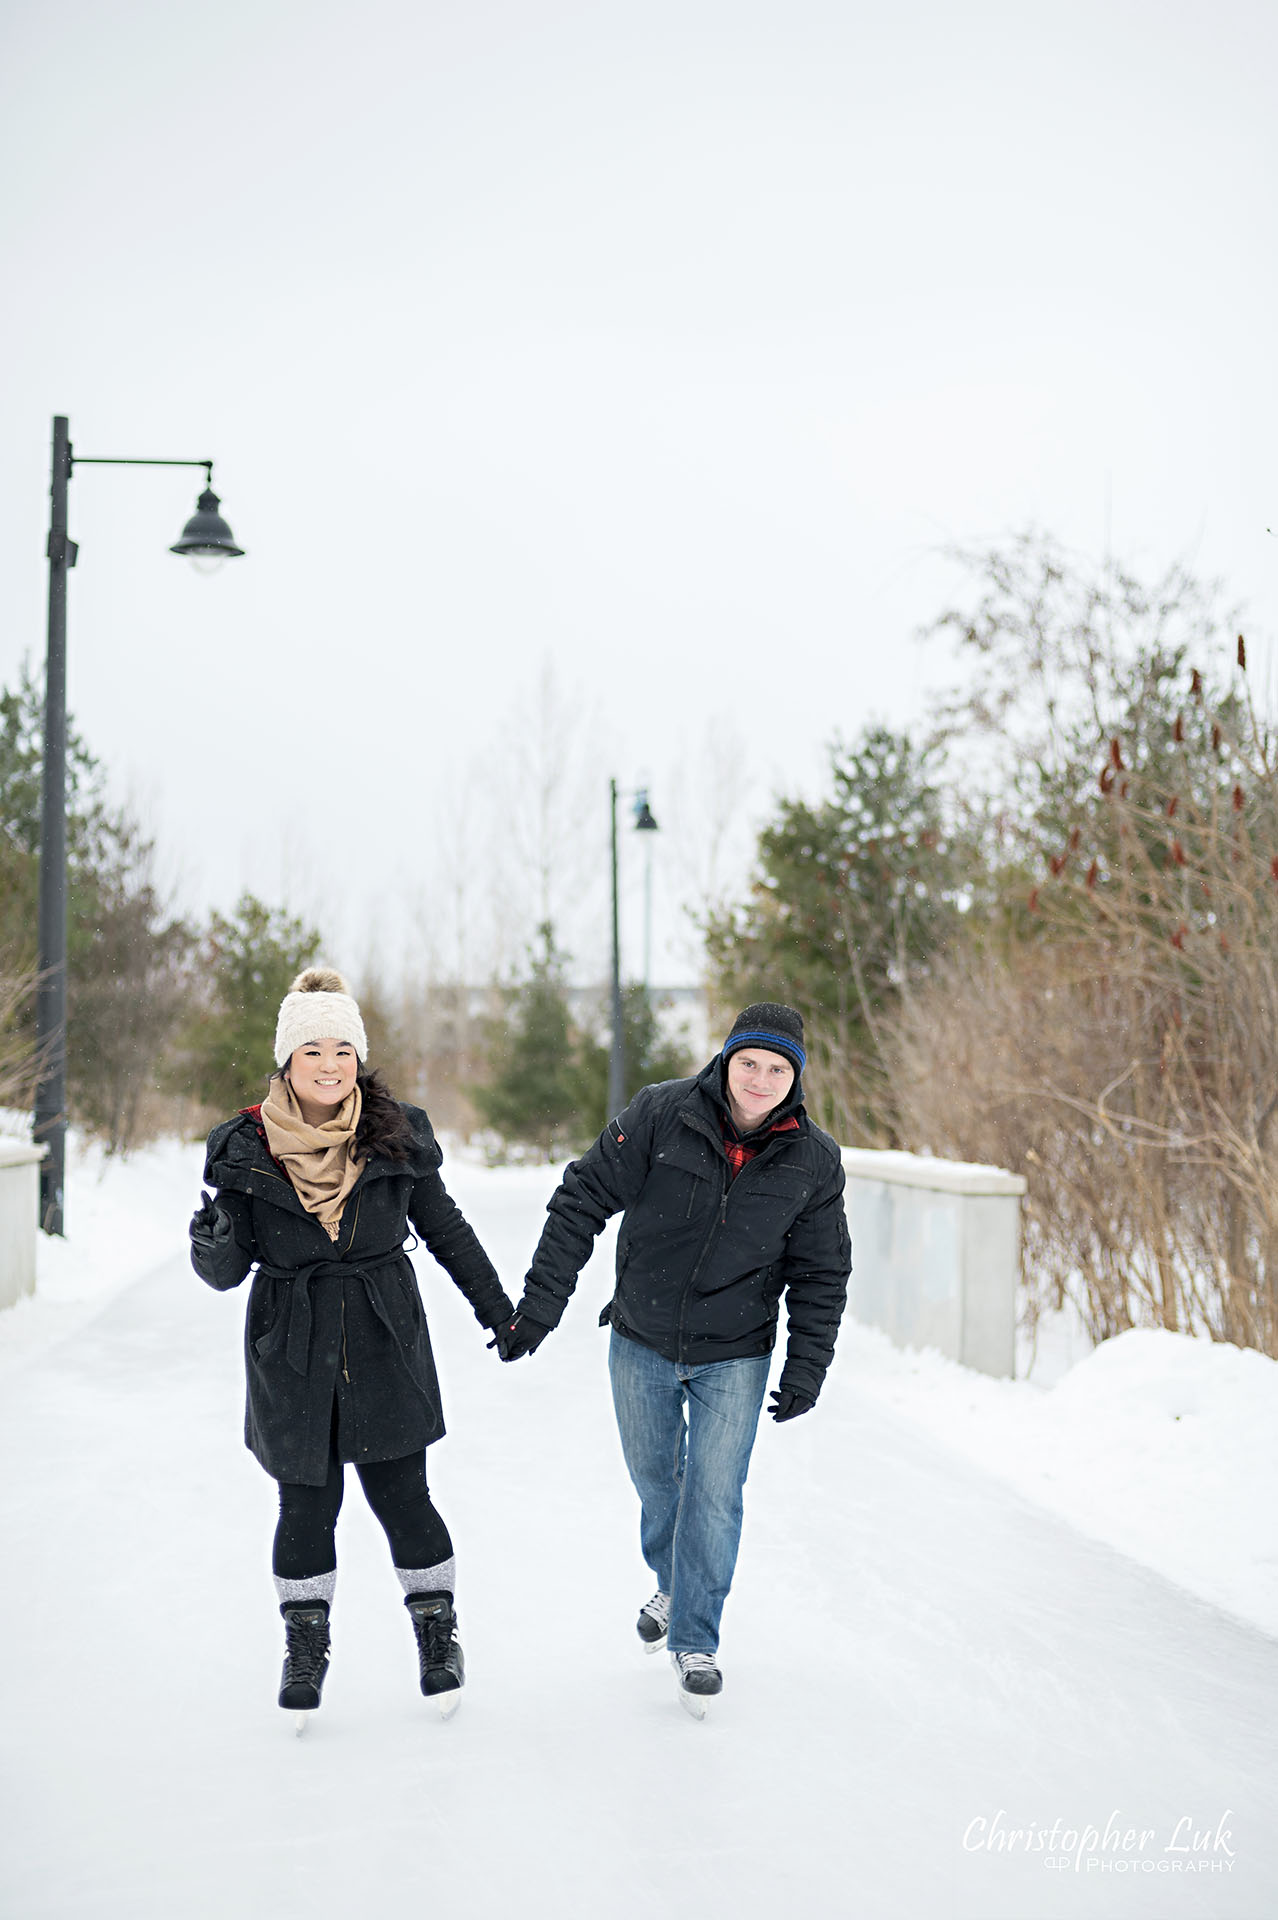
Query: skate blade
x,y
694,1703
300,1723
446,1704
655,1646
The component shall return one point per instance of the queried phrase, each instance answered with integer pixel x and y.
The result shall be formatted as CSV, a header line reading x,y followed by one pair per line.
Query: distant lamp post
x,y
645,822
207,539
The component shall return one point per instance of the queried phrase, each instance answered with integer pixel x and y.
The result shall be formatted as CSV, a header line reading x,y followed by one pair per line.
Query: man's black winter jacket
x,y
702,1259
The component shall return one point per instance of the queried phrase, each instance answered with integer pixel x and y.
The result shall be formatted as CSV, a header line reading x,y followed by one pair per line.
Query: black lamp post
x,y
207,540
644,823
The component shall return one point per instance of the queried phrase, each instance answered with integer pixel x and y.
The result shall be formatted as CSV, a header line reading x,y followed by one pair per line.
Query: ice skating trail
x,y
920,1665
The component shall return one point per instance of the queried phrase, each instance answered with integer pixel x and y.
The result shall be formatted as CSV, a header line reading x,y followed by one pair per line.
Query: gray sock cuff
x,y
438,1579
319,1586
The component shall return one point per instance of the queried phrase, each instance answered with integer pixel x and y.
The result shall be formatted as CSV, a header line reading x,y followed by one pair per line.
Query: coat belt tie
x,y
298,1346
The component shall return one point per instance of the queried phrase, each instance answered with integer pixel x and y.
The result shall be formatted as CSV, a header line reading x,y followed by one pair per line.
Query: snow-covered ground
x,y
954,1622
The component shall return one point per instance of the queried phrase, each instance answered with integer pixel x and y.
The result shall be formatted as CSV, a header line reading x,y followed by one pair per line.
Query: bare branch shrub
x,y
18,1058
1125,1056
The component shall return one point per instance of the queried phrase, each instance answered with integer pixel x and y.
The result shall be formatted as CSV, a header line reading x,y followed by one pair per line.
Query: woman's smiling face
x,y
322,1074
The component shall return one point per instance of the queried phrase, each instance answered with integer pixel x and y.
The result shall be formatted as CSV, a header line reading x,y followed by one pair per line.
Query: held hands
x,y
788,1403
516,1336
211,1226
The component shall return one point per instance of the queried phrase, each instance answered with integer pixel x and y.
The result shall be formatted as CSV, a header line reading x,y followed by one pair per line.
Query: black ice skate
x,y
305,1657
439,1654
699,1680
654,1618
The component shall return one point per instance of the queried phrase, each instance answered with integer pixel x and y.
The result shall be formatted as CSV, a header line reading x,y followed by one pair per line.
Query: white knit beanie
x,y
318,1006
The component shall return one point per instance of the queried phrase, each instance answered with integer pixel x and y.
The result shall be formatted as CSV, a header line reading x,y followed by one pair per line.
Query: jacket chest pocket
x,y
767,1204
683,1181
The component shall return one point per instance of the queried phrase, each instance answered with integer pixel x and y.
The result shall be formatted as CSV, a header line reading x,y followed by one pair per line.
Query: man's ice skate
x,y
306,1648
699,1680
654,1618
439,1655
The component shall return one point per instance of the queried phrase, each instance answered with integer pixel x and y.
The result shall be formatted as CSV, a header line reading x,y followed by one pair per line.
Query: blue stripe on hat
x,y
775,1042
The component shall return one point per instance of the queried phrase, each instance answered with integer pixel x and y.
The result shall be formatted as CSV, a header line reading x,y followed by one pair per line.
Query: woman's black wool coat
x,y
341,1318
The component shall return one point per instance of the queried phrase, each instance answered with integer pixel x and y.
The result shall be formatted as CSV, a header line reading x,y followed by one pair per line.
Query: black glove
x,y
514,1338
211,1225
789,1402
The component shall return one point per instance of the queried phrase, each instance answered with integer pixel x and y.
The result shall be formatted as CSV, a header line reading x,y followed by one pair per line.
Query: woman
x,y
318,1186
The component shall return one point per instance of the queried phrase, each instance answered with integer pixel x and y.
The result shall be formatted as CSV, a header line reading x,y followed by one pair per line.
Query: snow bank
x,y
1157,1443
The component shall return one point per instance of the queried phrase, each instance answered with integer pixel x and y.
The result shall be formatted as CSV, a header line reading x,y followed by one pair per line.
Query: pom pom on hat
x,y
320,980
318,1006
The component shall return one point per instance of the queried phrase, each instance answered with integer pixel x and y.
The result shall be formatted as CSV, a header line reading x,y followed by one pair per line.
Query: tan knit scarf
x,y
320,1161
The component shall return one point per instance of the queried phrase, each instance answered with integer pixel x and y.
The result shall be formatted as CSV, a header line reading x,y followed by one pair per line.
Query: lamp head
x,y
206,539
645,821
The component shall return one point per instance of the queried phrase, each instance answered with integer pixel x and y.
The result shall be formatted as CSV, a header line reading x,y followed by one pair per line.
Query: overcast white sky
x,y
658,344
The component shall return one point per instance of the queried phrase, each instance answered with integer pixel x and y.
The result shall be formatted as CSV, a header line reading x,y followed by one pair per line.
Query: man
x,y
731,1198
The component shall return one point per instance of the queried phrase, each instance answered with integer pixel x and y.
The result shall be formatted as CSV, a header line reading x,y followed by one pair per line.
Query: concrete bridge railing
x,y
936,1252
19,1209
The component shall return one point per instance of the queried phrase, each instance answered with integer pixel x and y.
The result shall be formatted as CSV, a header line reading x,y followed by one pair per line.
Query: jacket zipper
x,y
715,1225
345,1375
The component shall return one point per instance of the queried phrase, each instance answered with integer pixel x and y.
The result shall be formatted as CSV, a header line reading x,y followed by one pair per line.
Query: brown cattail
x,y
1074,839
1196,684
1224,943
1238,799
1215,737
1178,938
1057,864
1093,874
1178,853
1273,866
1172,805
1122,791
1178,731
1242,653
1106,779
1116,755
1033,901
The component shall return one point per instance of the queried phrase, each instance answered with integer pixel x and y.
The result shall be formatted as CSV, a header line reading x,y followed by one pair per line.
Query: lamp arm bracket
x,y
95,460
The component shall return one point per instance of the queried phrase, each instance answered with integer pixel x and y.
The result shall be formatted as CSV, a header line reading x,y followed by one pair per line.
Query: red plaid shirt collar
x,y
741,1151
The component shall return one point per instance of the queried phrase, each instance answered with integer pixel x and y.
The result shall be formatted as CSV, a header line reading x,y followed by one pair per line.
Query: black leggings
x,y
396,1490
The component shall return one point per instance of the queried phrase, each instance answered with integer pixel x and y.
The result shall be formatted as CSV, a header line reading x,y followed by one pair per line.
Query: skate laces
x,y
306,1647
658,1609
436,1633
696,1663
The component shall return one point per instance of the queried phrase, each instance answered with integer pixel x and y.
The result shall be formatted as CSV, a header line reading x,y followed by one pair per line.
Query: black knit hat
x,y
771,1026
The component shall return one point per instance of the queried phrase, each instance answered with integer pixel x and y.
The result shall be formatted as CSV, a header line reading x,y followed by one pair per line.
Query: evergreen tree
x,y
851,898
650,1057
532,1097
249,962
126,953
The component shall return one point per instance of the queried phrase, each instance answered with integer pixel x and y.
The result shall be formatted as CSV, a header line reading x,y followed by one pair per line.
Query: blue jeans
x,y
687,1434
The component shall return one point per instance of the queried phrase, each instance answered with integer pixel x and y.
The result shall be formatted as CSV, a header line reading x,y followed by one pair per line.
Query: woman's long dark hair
x,y
383,1128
